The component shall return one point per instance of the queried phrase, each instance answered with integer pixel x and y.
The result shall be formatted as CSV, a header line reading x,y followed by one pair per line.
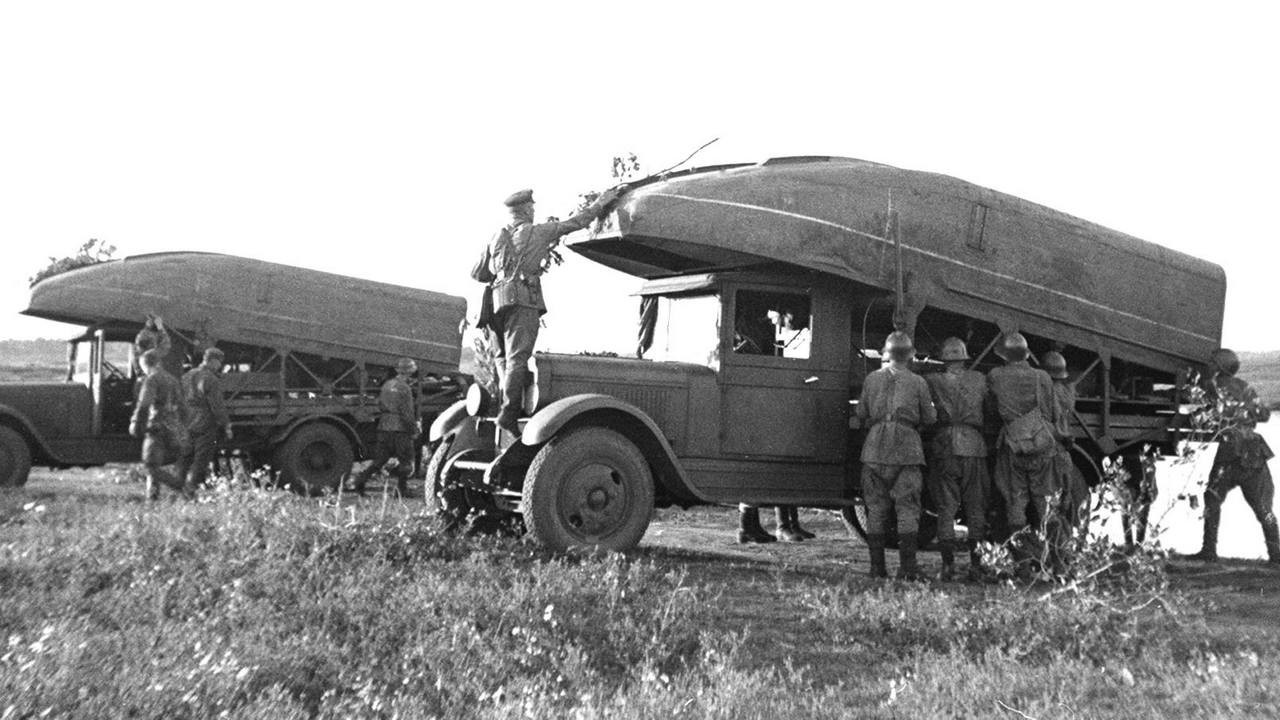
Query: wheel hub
x,y
592,501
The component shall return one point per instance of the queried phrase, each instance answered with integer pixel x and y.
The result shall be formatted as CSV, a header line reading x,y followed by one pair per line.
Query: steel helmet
x,y
1053,363
1014,347
953,348
406,366
898,345
1224,361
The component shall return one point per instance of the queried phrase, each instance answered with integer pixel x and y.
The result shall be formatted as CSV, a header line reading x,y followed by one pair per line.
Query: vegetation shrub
x,y
193,610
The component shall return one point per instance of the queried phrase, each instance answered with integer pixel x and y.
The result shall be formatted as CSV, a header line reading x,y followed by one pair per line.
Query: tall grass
x,y
259,604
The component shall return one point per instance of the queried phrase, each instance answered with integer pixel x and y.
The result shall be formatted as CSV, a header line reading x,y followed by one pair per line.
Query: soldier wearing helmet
x,y
1242,455
1067,477
958,453
894,405
206,417
1023,397
397,428
512,265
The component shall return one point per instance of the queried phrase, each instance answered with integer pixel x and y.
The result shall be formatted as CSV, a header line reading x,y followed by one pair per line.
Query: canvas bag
x,y
1029,434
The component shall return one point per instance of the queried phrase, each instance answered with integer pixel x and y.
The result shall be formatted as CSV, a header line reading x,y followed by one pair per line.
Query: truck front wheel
x,y
15,458
588,488
314,459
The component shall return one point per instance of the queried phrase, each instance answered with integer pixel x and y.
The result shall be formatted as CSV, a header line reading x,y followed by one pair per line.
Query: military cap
x,y
518,198
214,353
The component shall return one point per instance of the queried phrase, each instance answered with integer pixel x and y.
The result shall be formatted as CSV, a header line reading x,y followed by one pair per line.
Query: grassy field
x,y
256,604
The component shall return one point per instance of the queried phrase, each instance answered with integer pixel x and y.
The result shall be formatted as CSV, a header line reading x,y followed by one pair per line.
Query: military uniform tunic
x,y
206,417
1067,477
1023,396
958,451
894,404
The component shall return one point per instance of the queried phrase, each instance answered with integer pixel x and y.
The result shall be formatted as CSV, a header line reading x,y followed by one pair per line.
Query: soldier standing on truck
x,y
1023,396
1242,456
155,336
397,428
206,416
894,404
157,418
958,453
512,264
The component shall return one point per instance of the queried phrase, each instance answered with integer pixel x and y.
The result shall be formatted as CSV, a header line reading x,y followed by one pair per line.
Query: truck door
x,y
780,397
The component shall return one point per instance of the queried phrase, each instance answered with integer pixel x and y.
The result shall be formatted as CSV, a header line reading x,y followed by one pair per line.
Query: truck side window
x,y
772,323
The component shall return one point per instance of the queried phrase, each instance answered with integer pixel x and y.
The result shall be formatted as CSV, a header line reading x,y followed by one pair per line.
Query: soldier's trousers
x,y
1259,491
516,333
1024,479
956,480
1074,491
193,464
892,487
396,444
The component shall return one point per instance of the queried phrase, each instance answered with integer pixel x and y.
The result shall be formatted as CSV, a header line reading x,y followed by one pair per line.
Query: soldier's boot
x,y
786,528
1209,545
512,401
749,528
975,560
948,571
907,568
875,545
795,523
402,486
362,479
1271,533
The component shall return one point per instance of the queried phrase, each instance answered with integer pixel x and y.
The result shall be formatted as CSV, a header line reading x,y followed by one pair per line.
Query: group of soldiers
x,y
179,420
926,432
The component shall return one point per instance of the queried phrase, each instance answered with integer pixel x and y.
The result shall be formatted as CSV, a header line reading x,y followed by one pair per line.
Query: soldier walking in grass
x,y
1242,456
958,453
1023,396
512,264
397,428
894,405
207,417
158,420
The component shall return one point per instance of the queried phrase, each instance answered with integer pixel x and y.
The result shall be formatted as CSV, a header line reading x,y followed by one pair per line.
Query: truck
x,y
305,354
719,407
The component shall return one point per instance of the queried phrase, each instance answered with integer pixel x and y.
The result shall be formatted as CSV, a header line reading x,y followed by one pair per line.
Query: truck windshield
x,y
687,330
81,357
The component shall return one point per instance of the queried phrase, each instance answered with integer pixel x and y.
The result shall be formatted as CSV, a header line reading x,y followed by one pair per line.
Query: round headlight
x,y
478,400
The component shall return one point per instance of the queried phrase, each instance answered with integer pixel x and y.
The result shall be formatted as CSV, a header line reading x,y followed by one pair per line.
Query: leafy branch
x,y
92,252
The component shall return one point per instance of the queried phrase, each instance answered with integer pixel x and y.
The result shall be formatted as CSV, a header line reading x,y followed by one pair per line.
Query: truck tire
x,y
15,458
588,488
454,511
314,459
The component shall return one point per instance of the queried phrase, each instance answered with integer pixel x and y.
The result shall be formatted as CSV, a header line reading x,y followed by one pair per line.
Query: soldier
x,y
1023,396
958,453
206,416
397,428
1242,456
155,336
512,264
894,405
1067,477
157,418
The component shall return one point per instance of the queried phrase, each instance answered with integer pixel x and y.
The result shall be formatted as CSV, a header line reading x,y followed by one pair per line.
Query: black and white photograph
x,y
665,360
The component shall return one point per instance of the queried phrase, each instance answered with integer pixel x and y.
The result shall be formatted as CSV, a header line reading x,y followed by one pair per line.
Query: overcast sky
x,y
378,139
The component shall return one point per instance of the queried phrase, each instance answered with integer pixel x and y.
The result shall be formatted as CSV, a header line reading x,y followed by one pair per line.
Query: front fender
x,y
634,423
447,420
12,417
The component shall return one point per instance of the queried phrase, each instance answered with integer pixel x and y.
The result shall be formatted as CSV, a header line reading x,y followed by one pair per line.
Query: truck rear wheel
x,y
314,459
588,488
15,458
